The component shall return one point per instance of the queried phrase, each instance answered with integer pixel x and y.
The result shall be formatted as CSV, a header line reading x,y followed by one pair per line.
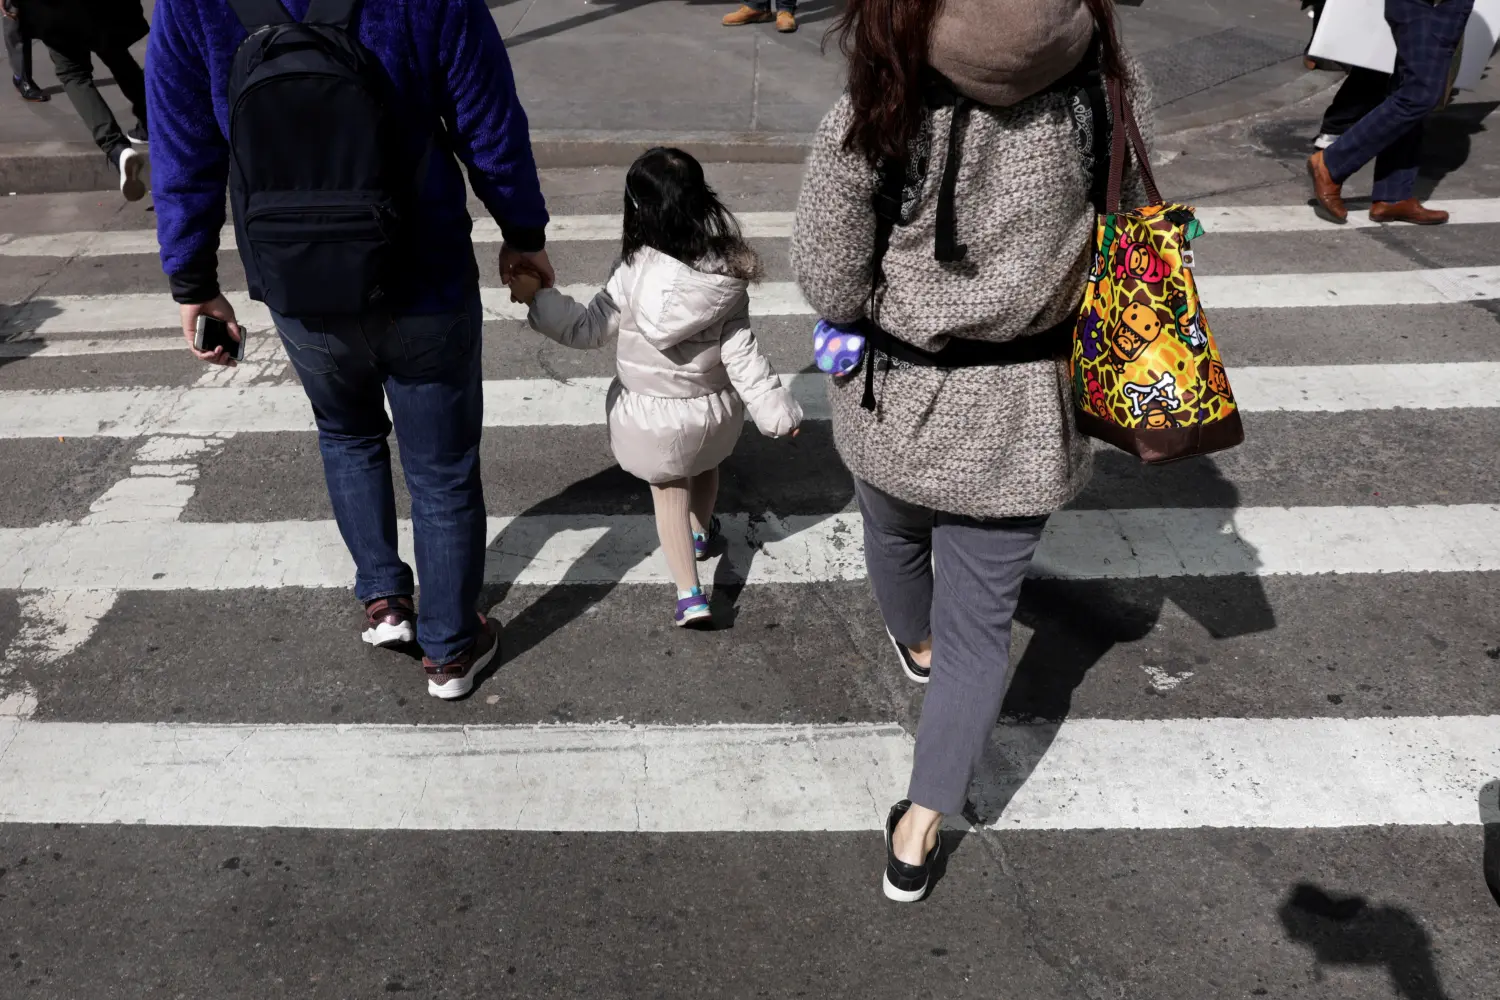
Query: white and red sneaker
x,y
455,679
390,621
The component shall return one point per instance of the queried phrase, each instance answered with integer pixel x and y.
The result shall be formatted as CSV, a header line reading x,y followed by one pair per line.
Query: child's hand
x,y
523,287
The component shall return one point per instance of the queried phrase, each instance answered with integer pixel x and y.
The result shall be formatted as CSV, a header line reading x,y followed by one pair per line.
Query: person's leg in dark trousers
x,y
1426,39
18,51
898,556
437,399
343,380
980,566
75,69
130,78
1359,94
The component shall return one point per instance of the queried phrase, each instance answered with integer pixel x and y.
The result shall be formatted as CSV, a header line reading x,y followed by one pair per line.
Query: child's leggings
x,y
684,506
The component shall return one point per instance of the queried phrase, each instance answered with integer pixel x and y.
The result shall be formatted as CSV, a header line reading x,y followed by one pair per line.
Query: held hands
x,y
217,307
525,273
523,287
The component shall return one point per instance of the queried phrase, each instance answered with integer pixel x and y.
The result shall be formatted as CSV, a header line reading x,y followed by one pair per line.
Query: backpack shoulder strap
x,y
890,186
339,12
254,14
889,189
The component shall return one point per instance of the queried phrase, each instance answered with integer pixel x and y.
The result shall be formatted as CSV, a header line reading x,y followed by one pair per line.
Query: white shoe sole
x,y
460,686
914,678
386,634
692,619
131,185
1324,141
903,895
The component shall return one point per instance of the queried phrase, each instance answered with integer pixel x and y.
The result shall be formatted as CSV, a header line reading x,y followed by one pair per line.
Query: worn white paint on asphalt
x,y
580,402
1085,774
97,314
1216,219
53,624
605,549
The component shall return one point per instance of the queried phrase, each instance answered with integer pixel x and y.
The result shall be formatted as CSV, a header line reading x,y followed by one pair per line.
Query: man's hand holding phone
x,y
216,316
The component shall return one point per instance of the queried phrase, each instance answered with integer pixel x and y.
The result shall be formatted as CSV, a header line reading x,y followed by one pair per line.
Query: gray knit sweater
x,y
982,442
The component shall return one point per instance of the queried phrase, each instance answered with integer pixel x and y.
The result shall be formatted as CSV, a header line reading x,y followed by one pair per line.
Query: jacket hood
x,y
1000,52
671,301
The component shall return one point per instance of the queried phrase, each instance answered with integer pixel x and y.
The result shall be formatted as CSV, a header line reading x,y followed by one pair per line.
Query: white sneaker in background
x,y
1324,140
131,185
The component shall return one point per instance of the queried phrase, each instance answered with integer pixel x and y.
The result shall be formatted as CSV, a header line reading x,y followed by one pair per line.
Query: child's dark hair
x,y
670,207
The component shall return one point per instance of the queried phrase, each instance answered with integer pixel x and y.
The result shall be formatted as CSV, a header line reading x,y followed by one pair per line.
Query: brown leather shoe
x,y
1411,210
1329,192
747,15
786,22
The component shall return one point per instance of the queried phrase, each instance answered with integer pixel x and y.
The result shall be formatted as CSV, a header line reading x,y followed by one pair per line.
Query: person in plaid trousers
x,y
1427,34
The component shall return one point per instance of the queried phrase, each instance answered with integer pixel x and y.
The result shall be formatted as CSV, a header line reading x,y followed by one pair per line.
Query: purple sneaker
x,y
704,543
692,610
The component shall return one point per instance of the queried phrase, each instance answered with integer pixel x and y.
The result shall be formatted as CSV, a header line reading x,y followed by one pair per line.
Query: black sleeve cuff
x,y
195,283
524,239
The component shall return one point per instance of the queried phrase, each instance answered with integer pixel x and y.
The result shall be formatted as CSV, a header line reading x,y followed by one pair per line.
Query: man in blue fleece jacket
x,y
421,351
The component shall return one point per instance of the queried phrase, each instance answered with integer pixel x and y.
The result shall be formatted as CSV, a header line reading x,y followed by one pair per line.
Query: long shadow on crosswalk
x,y
1075,623
804,479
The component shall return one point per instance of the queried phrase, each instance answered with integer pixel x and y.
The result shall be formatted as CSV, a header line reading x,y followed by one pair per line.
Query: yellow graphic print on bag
x,y
1143,357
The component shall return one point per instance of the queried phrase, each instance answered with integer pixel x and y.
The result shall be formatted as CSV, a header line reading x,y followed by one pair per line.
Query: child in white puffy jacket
x,y
687,364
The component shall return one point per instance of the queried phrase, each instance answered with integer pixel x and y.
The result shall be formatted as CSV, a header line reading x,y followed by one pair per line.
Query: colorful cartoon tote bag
x,y
1147,376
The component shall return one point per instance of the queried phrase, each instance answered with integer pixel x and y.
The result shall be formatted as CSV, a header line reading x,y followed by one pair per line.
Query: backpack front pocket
x,y
319,258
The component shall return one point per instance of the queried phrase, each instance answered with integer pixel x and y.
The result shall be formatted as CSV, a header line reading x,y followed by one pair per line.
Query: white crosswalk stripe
x,y
1403,769
72,314
580,402
1217,220
164,554
1095,774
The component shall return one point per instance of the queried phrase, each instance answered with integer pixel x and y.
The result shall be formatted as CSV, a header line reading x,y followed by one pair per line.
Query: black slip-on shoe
x,y
904,883
913,670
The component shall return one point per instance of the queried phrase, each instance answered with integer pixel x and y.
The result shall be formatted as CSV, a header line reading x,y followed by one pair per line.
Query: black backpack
x,y
315,185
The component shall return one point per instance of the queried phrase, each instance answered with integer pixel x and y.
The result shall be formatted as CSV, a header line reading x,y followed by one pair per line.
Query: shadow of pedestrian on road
x,y
1489,817
1347,930
1076,623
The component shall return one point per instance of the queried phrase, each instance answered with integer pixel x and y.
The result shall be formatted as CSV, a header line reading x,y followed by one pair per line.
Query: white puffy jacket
x,y
687,362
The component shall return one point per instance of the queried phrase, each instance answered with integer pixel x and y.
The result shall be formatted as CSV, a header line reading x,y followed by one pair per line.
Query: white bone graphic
x,y
1144,394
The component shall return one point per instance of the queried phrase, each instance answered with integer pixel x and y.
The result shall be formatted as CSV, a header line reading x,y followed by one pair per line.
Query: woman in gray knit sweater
x,y
961,437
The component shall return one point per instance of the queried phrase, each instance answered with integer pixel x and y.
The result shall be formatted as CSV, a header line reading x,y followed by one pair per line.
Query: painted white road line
x,y
268,409
1216,219
99,314
1227,219
547,550
36,347
562,229
1096,774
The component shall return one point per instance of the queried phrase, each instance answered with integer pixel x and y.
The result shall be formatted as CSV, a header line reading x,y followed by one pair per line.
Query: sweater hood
x,y
1000,52
671,302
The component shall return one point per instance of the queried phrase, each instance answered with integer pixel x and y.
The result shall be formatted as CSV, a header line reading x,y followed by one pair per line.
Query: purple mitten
x,y
837,349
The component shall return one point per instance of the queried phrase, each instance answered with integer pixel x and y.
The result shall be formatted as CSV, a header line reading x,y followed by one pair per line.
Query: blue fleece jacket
x,y
444,58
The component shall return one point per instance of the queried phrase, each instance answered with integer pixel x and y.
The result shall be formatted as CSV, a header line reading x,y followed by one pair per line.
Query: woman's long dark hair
x,y
670,207
885,43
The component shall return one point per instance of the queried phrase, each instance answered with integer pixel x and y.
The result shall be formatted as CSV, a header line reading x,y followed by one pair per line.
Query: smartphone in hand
x,y
214,333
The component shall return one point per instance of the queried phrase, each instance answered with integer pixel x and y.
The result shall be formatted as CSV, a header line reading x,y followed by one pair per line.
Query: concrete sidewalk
x,y
600,80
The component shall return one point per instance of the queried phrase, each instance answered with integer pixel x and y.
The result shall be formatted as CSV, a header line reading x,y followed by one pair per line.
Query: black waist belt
x,y
1051,344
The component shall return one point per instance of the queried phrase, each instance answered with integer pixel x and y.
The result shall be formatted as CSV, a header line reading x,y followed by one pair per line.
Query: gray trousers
x,y
956,579
18,50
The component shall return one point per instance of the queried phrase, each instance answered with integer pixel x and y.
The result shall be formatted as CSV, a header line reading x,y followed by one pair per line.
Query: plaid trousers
x,y
1391,135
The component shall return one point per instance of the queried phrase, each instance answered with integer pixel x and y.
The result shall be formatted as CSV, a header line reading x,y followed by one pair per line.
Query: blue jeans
x,y
1391,135
790,6
428,367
